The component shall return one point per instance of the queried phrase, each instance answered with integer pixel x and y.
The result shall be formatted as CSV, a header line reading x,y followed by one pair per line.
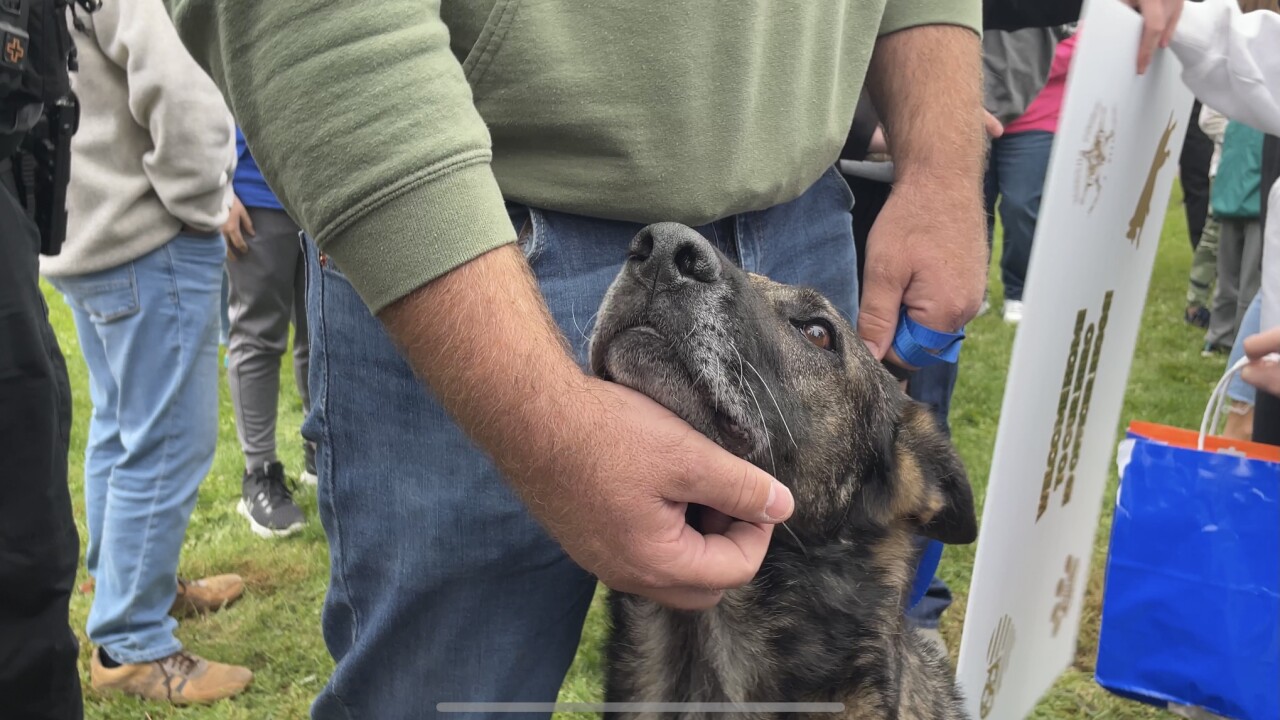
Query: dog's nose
x,y
675,253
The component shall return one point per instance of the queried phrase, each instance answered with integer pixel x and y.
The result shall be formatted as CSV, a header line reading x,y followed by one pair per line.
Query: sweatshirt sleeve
x,y
903,14
1231,61
193,148
361,118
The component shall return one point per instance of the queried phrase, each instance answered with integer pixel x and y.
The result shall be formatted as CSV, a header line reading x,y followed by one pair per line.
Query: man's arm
x,y
374,145
927,250
1231,61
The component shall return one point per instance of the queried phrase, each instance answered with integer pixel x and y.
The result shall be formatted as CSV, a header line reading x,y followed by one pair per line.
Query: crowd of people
x,y
468,180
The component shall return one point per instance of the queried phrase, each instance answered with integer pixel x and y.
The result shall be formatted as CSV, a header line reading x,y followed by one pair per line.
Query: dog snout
x,y
673,254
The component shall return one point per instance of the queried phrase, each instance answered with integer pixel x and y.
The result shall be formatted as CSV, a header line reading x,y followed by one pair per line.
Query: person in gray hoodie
x,y
141,270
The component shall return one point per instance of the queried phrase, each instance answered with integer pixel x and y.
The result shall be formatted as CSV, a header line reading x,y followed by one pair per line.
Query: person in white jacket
x,y
141,270
1231,61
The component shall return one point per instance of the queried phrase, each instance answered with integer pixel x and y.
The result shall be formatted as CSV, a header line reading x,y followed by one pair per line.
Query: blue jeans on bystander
x,y
149,333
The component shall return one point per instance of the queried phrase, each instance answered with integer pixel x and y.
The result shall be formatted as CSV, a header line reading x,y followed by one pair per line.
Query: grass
x,y
275,629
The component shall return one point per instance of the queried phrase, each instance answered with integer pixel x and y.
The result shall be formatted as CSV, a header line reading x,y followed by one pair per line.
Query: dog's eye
x,y
819,333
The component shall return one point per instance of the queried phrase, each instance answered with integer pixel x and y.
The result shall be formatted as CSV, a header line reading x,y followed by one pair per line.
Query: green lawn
x,y
275,629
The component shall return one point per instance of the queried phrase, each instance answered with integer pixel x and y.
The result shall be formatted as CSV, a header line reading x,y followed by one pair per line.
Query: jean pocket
x,y
104,296
531,230
836,180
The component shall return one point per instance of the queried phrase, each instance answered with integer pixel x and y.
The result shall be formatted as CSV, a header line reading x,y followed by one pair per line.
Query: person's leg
x,y
1193,172
1223,320
1250,271
1266,419
474,602
301,341
263,298
157,318
38,541
1242,395
1024,160
1204,270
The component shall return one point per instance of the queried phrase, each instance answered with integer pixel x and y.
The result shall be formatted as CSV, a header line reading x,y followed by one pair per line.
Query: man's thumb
x,y
878,319
738,489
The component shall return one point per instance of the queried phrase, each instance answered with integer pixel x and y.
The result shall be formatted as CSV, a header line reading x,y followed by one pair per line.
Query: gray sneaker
x,y
267,503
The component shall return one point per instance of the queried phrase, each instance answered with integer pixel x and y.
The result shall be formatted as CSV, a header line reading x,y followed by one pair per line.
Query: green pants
x,y
1204,266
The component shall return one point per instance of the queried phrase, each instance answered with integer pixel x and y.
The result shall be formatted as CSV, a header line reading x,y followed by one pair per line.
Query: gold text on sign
x,y
1073,406
1064,592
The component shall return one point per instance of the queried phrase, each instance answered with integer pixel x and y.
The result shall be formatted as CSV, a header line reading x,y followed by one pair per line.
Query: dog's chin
x,y
642,359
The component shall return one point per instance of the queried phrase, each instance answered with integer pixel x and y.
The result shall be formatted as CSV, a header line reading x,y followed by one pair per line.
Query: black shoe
x,y
268,504
1197,315
309,476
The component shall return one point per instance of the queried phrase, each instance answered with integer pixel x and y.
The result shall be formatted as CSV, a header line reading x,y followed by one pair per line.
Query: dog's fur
x,y
823,620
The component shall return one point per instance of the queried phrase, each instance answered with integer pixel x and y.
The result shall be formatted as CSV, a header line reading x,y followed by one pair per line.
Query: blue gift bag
x,y
1191,610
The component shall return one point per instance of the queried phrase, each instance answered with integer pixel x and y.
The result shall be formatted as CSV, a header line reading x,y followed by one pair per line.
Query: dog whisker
x,y
781,416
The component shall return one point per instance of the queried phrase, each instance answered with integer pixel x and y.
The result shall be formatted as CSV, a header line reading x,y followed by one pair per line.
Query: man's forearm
x,y
482,338
926,83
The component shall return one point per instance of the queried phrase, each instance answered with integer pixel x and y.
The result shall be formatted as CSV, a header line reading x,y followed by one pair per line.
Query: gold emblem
x,y
1091,162
1139,219
14,51
1073,406
1064,592
999,648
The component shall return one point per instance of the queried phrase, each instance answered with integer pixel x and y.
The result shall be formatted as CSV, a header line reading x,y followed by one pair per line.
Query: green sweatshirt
x,y
393,129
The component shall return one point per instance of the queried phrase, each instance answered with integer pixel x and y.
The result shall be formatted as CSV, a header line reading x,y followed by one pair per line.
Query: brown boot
x,y
181,678
198,597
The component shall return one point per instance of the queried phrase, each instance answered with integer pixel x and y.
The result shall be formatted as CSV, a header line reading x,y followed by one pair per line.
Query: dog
x,y
774,374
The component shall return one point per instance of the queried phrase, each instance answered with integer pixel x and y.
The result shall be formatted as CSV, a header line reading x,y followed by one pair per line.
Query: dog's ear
x,y
930,486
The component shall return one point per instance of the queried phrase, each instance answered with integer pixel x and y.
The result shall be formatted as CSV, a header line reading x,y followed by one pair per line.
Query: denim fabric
x,y
149,333
1250,324
1015,176
442,586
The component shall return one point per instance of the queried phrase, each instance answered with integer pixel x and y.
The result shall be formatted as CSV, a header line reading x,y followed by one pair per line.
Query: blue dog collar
x,y
921,346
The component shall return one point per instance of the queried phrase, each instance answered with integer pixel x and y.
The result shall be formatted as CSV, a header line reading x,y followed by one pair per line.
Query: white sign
x,y
1104,201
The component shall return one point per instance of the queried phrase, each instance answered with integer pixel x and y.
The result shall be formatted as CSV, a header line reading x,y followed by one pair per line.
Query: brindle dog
x,y
775,375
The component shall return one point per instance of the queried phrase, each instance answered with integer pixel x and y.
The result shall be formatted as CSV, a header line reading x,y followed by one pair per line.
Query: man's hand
x,y
1159,19
994,127
606,470
927,250
238,222
1261,372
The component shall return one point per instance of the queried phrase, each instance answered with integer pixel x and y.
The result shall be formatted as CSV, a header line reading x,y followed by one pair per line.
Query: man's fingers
x,y
1264,343
1264,375
247,223
878,314
735,487
721,562
993,126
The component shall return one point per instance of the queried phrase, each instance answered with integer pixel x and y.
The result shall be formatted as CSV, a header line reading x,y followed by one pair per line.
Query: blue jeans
x,y
442,586
1015,175
149,333
1250,324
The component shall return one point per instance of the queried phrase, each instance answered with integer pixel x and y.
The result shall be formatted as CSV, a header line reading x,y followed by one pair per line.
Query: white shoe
x,y
1013,311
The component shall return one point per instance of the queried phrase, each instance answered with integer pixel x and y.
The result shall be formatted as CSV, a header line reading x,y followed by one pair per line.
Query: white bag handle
x,y
1217,399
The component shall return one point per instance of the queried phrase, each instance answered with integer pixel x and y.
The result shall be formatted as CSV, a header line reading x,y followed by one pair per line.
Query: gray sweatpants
x,y
267,292
1239,277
